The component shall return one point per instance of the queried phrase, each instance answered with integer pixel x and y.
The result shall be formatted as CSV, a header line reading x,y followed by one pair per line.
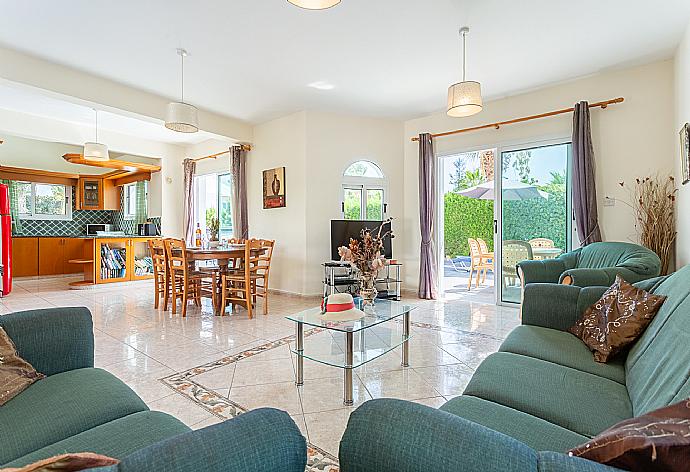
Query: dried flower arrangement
x,y
653,201
365,253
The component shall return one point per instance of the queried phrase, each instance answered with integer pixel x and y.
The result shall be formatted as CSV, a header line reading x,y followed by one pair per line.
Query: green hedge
x,y
467,218
522,219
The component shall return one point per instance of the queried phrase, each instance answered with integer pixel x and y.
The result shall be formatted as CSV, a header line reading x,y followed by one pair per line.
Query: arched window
x,y
364,192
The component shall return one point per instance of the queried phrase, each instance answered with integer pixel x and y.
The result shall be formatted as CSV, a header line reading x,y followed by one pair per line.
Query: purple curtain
x,y
238,169
584,189
427,212
189,168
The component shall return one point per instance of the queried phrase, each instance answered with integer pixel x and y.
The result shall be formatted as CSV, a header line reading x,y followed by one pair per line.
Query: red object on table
x,y
5,241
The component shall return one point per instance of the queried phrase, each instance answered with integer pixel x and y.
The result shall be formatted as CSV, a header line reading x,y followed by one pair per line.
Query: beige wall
x,y
315,149
333,143
682,116
277,143
631,139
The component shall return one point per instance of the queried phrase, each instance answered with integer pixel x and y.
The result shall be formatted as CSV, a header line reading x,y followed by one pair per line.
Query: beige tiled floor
x,y
141,346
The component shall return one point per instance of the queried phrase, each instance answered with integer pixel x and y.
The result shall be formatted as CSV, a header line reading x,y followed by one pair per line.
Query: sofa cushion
x,y
117,439
61,406
561,348
579,401
658,365
535,432
619,254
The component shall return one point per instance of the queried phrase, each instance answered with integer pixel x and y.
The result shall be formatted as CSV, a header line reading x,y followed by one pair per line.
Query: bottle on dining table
x,y
197,239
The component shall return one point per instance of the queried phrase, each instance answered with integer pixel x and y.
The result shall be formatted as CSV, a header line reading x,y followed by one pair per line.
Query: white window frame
x,y
125,200
197,199
32,203
364,184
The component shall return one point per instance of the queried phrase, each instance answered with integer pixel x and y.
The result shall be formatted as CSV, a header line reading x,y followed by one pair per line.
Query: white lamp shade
x,y
95,152
182,117
315,4
464,99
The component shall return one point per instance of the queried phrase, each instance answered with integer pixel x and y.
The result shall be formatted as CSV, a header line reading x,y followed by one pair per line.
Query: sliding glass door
x,y
533,209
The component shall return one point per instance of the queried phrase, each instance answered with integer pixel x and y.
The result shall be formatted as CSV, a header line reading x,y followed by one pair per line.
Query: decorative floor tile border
x,y
318,460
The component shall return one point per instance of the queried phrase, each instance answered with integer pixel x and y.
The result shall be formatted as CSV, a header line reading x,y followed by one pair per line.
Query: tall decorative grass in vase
x,y
653,199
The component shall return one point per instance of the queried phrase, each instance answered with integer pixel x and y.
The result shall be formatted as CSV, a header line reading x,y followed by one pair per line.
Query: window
x,y
130,200
364,192
213,199
44,201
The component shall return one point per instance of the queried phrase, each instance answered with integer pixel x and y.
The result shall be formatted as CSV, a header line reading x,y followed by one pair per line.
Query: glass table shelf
x,y
380,312
364,340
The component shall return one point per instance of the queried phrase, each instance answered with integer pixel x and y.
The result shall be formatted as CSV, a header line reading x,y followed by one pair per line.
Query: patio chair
x,y
541,242
478,261
514,251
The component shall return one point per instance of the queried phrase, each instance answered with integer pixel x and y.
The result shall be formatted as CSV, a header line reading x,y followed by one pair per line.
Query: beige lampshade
x,y
464,99
315,4
95,152
182,117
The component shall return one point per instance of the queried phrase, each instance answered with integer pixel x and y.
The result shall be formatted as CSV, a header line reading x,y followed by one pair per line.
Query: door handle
x,y
495,226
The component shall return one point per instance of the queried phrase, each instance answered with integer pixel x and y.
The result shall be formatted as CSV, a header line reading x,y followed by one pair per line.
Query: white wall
x,y
631,139
333,143
682,116
315,148
277,143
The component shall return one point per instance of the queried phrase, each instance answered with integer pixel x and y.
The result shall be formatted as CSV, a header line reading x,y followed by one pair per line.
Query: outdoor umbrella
x,y
511,191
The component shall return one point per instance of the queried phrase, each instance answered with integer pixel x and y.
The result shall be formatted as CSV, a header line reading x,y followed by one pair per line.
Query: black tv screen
x,y
343,230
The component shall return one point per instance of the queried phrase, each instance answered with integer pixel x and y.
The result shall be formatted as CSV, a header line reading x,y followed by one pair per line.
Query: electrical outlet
x,y
609,201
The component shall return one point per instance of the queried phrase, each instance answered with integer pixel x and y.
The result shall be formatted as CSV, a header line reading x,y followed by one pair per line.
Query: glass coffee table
x,y
374,339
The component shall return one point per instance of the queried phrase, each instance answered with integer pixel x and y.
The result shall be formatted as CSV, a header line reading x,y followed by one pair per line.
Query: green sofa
x,y
593,265
536,398
78,408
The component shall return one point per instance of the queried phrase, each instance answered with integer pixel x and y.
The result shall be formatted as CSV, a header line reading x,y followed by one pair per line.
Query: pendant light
x,y
96,151
464,98
314,4
182,117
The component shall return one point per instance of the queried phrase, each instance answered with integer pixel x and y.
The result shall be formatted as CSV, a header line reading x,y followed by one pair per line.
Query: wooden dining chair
x,y
161,276
262,271
478,261
237,285
185,282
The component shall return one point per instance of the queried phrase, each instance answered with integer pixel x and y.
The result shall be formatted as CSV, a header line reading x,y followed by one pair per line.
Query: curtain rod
x,y
497,125
245,147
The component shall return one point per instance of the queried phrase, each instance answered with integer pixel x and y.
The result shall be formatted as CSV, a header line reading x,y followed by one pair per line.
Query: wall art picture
x,y
685,153
274,187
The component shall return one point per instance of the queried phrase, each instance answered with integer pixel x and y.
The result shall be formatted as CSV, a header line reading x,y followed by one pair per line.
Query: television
x,y
343,230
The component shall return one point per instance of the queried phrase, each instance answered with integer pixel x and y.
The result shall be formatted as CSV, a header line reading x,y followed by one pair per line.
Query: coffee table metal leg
x,y
299,337
406,343
349,355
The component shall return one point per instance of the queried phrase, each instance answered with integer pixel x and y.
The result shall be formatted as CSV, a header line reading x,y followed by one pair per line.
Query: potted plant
x,y
212,225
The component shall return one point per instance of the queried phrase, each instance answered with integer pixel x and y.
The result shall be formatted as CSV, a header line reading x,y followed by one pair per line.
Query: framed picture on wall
x,y
685,153
274,187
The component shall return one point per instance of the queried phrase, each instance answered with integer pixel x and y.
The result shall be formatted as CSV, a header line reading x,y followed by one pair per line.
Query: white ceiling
x,y
253,59
31,101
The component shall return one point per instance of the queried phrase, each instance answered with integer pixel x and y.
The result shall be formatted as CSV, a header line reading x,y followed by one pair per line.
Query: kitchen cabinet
x,y
50,256
54,255
24,257
94,193
122,260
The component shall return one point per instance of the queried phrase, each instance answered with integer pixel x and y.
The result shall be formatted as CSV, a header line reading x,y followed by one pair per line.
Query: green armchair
x,y
79,408
592,265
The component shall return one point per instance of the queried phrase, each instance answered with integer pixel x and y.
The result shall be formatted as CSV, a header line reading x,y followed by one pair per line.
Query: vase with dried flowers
x,y
653,199
365,255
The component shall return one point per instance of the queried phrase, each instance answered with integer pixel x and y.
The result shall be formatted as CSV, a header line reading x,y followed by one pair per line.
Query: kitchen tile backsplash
x,y
77,226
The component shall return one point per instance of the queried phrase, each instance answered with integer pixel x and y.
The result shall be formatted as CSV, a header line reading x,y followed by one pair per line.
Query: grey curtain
x,y
427,212
188,216
140,210
584,189
238,170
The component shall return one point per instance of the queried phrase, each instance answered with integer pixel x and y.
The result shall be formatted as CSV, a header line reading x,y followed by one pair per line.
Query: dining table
x,y
224,256
541,253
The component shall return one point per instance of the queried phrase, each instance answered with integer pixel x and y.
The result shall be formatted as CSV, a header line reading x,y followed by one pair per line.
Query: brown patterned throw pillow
x,y
67,463
617,319
659,440
15,373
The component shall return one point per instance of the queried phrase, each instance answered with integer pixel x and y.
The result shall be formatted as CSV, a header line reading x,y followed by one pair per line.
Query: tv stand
x,y
341,277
